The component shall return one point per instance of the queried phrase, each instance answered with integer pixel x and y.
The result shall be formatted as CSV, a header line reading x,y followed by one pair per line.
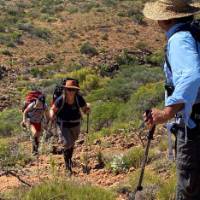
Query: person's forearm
x,y
24,117
51,114
170,111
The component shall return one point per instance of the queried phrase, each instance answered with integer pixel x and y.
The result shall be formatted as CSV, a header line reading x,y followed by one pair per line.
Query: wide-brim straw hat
x,y
72,84
170,9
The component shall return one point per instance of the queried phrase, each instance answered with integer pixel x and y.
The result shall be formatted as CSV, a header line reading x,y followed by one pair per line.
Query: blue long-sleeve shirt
x,y
183,54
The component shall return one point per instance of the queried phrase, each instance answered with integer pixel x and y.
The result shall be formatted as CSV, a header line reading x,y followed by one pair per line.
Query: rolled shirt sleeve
x,y
185,64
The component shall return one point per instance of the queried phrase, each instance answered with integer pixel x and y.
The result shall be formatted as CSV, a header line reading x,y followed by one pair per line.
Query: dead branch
x,y
14,173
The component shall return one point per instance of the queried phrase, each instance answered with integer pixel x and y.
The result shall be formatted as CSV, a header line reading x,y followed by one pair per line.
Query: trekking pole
x,y
136,195
86,168
87,130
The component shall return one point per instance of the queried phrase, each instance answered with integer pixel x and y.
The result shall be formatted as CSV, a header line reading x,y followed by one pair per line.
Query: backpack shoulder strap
x,y
62,104
167,60
77,102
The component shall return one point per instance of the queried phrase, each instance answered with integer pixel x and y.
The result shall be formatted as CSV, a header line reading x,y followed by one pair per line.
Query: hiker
x,y
182,70
67,109
33,115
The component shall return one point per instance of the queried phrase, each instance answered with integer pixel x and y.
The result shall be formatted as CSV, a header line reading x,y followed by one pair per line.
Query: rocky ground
x,y
47,167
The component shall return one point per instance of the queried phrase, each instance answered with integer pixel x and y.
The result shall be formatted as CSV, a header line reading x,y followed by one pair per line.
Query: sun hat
x,y
170,9
72,84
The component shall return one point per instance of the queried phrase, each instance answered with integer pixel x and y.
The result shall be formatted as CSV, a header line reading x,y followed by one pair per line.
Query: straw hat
x,y
170,9
72,84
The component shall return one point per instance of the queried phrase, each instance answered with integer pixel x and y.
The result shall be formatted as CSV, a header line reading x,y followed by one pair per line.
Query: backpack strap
x,y
167,60
77,102
62,104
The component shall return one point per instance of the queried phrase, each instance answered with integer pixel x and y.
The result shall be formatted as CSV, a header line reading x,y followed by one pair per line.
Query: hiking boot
x,y
68,168
68,160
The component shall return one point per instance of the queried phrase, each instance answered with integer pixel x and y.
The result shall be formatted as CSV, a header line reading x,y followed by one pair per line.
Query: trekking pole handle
x,y
148,115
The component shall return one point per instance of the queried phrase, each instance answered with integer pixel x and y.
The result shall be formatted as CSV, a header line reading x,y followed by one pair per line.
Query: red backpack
x,y
31,97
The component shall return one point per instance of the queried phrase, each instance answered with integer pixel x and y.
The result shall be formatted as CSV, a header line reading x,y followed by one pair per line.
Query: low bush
x,y
168,189
12,154
10,121
110,2
135,13
40,32
10,38
36,72
123,162
145,97
86,7
103,114
88,49
65,190
72,9
126,59
151,183
155,59
128,79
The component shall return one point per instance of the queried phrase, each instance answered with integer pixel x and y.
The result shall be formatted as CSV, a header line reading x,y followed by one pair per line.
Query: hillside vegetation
x,y
106,45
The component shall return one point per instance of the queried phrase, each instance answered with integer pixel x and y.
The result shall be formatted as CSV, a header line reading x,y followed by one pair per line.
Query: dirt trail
x,y
47,167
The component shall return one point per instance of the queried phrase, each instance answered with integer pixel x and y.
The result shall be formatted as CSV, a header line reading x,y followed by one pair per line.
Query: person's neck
x,y
70,99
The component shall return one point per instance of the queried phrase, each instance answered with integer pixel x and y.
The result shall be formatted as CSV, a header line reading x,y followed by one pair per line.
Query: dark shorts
x,y
188,165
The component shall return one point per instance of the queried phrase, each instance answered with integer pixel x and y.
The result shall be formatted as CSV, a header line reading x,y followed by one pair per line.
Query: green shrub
x,y
134,157
8,38
144,98
110,2
123,162
72,9
65,190
6,52
155,59
164,165
168,189
151,183
40,32
15,11
129,79
86,7
92,82
126,59
103,114
163,144
36,72
141,45
12,154
88,49
134,13
10,121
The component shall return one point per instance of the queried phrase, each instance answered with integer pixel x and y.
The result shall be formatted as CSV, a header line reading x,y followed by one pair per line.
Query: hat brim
x,y
72,87
154,11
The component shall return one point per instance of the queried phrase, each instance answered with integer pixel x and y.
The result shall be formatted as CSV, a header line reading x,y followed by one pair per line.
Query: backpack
x,y
32,96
